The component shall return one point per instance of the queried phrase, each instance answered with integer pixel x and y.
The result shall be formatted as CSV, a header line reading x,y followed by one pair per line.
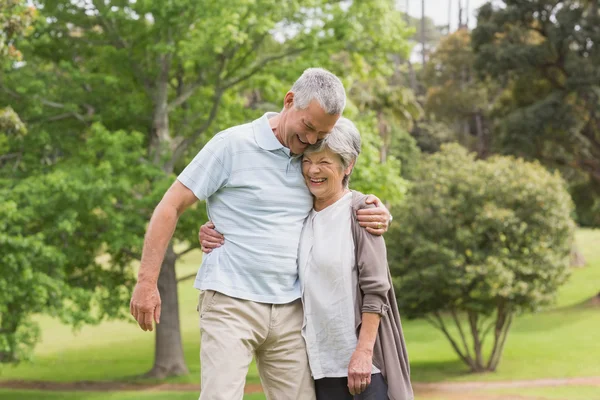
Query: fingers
x,y
157,314
145,306
375,231
147,321
358,382
375,224
210,243
368,215
353,384
373,200
209,238
205,250
207,232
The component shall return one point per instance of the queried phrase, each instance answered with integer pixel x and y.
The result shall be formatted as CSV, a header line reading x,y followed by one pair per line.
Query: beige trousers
x,y
233,330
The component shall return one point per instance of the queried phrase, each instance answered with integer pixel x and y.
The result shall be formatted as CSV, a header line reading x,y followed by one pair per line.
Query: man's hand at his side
x,y
145,300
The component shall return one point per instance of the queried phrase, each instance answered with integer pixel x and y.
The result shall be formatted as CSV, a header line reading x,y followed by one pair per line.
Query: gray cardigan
x,y
376,295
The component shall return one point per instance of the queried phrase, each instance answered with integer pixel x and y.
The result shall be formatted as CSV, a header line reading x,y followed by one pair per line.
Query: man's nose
x,y
312,138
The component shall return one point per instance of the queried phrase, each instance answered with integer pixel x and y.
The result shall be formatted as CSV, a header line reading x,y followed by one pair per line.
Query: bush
x,y
481,239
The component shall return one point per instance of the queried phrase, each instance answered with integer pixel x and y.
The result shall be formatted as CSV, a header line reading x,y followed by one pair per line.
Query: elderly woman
x,y
352,326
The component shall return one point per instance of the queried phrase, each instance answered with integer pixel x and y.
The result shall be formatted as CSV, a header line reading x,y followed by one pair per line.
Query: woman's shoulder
x,y
359,200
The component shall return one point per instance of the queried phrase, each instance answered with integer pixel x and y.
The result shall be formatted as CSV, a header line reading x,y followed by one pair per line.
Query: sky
x,y
438,10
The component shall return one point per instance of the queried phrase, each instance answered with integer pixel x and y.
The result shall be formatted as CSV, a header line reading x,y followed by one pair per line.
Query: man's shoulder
x,y
239,135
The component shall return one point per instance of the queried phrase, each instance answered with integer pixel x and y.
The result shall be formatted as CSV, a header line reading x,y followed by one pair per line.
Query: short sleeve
x,y
210,169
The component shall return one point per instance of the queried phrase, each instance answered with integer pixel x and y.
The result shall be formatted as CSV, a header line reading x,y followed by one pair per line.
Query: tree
x,y
456,96
15,20
480,241
54,226
548,54
175,72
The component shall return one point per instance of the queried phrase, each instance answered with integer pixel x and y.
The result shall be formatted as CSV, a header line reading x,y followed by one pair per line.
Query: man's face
x,y
301,128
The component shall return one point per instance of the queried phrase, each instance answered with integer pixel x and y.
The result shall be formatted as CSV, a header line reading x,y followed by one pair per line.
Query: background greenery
x,y
102,103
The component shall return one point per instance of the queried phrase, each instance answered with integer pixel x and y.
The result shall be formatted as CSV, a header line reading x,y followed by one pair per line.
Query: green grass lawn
x,y
543,393
560,342
40,395
558,392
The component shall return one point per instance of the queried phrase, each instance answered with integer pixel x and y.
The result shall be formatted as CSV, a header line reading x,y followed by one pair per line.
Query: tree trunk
x,y
384,134
423,31
168,350
577,259
449,15
477,345
161,136
482,142
411,70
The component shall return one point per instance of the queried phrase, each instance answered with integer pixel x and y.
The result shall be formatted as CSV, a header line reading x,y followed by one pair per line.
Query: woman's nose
x,y
314,169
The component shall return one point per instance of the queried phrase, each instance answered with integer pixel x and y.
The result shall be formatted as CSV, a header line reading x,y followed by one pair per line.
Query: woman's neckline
x,y
345,193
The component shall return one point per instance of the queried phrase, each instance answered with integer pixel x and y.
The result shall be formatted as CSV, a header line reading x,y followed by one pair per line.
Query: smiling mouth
x,y
317,180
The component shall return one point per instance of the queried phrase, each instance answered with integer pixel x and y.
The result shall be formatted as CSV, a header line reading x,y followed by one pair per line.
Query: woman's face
x,y
323,173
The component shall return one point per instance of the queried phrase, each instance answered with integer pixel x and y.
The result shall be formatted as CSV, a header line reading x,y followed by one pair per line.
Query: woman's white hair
x,y
344,141
323,86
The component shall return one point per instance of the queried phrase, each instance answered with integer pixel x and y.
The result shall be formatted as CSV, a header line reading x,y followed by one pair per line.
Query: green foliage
x,y
547,51
15,20
455,96
54,228
485,238
176,72
371,176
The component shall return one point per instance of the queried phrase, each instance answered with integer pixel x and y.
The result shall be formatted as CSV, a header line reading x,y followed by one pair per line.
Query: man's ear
x,y
288,100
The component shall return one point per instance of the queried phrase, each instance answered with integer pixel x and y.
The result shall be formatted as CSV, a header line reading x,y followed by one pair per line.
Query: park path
x,y
101,386
449,390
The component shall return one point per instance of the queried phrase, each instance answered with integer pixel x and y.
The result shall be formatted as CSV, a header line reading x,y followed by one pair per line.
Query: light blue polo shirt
x,y
256,197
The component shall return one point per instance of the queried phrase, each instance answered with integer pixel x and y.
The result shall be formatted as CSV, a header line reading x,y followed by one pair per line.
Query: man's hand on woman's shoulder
x,y
375,219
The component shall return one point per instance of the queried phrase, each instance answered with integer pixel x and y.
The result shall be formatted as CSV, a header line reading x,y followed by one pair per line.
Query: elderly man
x,y
251,179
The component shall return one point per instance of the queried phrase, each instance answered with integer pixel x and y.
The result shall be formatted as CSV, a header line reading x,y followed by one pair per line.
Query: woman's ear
x,y
348,170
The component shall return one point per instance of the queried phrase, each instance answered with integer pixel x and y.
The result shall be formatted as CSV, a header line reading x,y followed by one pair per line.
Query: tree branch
x,y
243,59
184,252
261,65
486,331
432,322
10,155
185,143
186,277
185,95
462,334
500,318
452,342
476,342
131,254
495,359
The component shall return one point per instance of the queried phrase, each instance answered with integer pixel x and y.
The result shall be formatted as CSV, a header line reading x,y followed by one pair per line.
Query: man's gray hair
x,y
323,86
344,140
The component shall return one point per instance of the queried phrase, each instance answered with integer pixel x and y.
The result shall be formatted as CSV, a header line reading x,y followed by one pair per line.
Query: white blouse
x,y
328,280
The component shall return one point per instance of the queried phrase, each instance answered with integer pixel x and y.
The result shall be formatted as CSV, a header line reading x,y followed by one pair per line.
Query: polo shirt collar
x,y
264,135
